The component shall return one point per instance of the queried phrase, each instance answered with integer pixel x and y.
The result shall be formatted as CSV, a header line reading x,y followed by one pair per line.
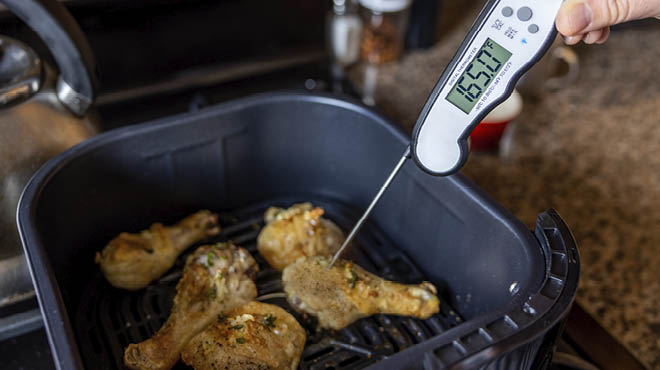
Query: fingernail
x,y
571,40
580,17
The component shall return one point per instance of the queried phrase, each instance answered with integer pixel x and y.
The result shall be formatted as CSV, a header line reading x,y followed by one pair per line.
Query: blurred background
x,y
580,134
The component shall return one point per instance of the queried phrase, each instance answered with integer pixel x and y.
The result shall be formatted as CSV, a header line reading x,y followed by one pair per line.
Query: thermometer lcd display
x,y
479,74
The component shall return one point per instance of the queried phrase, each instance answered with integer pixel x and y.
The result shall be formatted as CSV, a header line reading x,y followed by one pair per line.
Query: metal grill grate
x,y
108,319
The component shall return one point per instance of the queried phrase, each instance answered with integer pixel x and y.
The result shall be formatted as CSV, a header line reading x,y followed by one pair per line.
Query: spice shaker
x,y
384,29
343,30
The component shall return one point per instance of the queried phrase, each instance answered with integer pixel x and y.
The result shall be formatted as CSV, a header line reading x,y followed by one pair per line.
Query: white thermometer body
x,y
507,39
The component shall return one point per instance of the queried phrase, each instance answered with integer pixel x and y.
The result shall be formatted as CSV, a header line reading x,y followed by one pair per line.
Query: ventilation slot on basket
x,y
108,319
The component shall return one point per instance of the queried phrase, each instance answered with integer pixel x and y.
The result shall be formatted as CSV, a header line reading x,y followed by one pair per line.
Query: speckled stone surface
x,y
591,151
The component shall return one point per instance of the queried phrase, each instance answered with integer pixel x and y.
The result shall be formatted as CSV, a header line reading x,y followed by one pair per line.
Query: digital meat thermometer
x,y
507,39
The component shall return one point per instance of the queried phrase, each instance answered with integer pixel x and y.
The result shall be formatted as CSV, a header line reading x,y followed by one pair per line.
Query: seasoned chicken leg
x,y
132,261
215,279
254,336
297,232
346,292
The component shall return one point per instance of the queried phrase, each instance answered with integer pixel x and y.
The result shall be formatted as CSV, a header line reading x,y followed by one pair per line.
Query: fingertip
x,y
562,19
604,36
593,36
572,40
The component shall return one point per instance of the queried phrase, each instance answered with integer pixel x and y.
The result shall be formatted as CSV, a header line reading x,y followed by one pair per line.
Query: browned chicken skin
x,y
132,261
298,231
254,336
215,279
346,292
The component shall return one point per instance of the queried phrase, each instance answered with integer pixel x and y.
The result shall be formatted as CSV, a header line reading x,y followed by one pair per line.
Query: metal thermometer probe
x,y
505,41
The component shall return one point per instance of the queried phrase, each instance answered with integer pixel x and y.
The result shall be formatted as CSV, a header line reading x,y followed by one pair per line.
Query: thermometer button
x,y
525,13
507,11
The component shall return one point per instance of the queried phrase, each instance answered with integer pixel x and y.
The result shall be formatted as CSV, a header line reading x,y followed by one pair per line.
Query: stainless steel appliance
x,y
42,113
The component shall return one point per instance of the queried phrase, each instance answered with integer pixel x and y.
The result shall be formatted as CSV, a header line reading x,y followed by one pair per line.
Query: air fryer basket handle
x,y
541,314
554,234
550,311
68,45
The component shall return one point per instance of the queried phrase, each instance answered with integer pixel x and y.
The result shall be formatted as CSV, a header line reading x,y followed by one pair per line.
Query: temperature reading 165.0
x,y
478,75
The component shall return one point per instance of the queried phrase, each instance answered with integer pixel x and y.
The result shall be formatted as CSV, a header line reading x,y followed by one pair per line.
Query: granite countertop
x,y
592,152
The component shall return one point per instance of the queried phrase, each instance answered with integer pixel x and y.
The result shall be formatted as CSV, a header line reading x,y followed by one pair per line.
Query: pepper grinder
x,y
384,31
343,31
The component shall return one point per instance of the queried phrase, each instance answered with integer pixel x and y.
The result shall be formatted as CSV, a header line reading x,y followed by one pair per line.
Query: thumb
x,y
577,17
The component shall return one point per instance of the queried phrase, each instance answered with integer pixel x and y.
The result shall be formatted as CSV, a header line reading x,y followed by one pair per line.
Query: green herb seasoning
x,y
353,279
238,327
222,318
150,251
212,293
268,321
240,340
210,259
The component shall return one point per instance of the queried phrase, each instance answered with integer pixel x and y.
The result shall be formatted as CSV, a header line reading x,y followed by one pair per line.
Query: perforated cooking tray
x,y
505,289
108,319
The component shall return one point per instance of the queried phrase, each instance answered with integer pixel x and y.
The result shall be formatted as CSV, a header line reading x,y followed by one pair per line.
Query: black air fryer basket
x,y
505,290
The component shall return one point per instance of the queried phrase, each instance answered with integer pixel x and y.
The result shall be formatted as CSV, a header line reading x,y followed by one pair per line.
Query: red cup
x,y
488,133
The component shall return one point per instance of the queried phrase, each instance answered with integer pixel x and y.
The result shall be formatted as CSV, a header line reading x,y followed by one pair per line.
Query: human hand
x,y
590,20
